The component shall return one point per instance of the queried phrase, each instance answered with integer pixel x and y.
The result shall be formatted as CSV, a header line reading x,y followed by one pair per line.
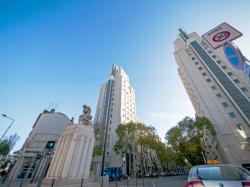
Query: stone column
x,y
72,158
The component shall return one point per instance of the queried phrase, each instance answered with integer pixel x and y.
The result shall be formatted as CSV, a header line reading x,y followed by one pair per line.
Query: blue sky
x,y
58,52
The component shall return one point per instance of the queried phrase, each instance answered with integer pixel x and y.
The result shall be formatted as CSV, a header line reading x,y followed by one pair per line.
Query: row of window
x,y
224,67
231,114
237,81
213,87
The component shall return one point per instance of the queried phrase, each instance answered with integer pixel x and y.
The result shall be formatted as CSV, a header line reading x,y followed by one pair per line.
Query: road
x,y
174,181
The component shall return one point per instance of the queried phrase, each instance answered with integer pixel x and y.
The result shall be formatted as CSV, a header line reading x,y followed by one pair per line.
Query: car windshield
x,y
222,173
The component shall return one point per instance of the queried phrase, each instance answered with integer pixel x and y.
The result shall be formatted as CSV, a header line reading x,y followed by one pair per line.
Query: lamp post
x,y
12,121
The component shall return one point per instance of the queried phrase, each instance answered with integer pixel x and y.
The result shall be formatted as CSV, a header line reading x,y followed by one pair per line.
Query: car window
x,y
222,173
193,173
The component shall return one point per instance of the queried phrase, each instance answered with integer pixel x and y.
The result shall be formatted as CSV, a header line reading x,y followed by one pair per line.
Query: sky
x,y
57,53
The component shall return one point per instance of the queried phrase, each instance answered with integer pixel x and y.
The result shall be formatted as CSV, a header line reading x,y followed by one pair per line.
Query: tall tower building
x,y
116,105
219,92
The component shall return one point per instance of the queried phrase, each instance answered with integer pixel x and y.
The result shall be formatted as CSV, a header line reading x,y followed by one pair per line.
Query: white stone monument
x,y
71,162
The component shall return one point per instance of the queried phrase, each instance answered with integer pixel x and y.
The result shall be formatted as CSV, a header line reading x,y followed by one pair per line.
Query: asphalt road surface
x,y
174,181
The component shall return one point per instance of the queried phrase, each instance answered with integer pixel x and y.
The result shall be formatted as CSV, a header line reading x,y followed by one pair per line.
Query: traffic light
x,y
50,145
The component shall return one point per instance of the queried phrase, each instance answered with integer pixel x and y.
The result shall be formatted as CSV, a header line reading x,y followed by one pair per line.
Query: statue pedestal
x,y
72,158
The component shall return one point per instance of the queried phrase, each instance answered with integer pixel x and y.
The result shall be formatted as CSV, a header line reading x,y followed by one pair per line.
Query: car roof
x,y
216,165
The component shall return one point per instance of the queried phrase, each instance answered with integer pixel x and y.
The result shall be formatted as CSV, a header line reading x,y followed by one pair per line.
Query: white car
x,y
220,175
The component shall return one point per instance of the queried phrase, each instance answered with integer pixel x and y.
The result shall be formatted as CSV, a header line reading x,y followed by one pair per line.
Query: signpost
x,y
236,59
233,55
220,35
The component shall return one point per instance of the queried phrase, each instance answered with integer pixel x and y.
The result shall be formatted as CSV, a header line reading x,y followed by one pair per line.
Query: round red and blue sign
x,y
233,55
221,36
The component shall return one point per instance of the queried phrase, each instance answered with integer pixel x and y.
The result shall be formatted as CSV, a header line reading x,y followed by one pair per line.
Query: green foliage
x,y
7,144
144,140
4,148
187,139
99,140
97,151
126,134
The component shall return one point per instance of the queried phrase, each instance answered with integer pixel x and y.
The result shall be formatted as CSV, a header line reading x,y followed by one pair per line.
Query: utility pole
x,y
12,121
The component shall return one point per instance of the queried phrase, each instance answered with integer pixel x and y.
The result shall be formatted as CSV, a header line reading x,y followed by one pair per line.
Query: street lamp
x,y
12,121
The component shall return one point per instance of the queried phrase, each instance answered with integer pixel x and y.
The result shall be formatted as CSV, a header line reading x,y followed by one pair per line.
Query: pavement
x,y
173,181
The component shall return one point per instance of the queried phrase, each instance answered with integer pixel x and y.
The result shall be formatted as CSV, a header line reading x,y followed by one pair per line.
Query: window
x,y
209,51
204,74
225,104
236,81
230,73
244,89
193,173
219,95
196,63
213,87
193,58
200,68
238,97
214,56
208,80
222,173
218,61
232,115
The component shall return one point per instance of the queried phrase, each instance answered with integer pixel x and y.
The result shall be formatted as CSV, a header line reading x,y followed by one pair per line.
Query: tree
x,y
126,134
99,140
4,148
187,139
8,143
152,143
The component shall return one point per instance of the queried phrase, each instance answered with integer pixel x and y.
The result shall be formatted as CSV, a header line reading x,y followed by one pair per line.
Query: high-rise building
x,y
219,92
116,105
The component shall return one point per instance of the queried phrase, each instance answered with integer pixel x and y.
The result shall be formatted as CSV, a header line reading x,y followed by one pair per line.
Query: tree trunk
x,y
153,161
